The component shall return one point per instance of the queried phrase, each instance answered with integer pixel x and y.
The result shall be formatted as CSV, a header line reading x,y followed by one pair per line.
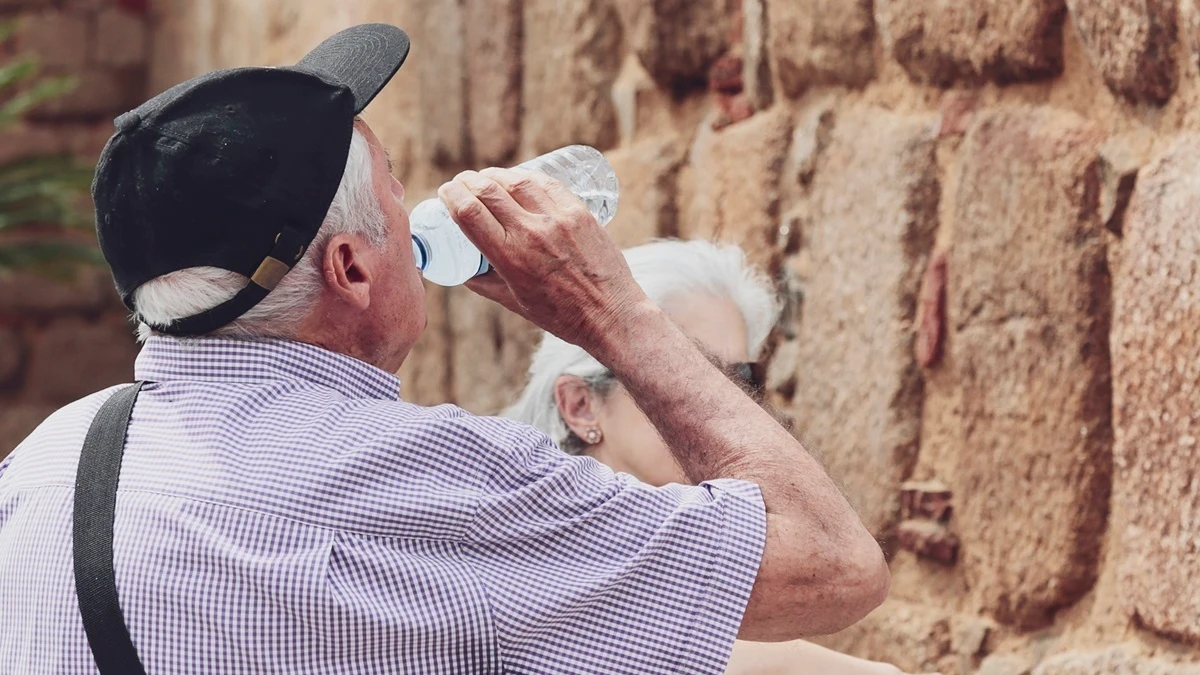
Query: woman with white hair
x,y
728,308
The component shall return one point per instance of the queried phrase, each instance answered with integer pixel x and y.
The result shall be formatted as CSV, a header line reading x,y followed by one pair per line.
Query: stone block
x,y
676,40
568,74
820,42
858,390
493,62
120,38
1003,41
24,294
492,347
1028,302
74,357
648,172
18,420
1118,660
1131,43
57,40
733,190
1156,371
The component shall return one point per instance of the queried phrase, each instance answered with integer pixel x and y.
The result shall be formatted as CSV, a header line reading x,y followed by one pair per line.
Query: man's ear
x,y
576,404
347,271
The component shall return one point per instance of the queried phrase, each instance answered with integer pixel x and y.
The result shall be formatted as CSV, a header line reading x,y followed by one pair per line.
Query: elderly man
x,y
262,500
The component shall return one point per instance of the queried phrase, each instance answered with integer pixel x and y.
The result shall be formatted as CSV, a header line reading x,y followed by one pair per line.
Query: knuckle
x,y
470,211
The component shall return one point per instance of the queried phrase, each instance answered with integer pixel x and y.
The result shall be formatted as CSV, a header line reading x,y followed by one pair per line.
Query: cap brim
x,y
363,58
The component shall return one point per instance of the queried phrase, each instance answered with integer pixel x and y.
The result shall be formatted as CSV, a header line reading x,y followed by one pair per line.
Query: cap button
x,y
128,121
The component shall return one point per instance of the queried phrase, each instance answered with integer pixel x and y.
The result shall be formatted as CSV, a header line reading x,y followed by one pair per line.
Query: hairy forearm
x,y
820,568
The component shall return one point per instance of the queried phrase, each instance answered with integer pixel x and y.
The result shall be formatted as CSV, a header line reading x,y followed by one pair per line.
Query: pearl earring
x,y
594,436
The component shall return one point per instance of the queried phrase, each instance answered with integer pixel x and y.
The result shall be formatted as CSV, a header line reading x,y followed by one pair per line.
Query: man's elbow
x,y
859,586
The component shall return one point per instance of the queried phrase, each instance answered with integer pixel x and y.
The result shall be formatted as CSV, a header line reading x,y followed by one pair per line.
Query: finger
x,y
475,220
492,287
555,189
524,188
497,200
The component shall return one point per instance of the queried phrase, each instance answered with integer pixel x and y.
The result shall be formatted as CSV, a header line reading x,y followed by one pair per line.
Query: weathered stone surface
x,y
732,190
493,46
1028,300
17,421
64,363
1131,43
1004,664
120,38
491,353
676,40
57,39
941,42
1156,373
756,72
914,638
24,294
858,390
647,172
815,42
1119,660
1189,27
442,69
568,75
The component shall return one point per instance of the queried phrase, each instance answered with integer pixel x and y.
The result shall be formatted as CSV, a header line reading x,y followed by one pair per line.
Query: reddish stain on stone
x,y
929,540
931,326
926,500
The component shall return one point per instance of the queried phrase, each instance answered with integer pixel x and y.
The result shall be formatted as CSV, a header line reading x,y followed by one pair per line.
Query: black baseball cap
x,y
236,169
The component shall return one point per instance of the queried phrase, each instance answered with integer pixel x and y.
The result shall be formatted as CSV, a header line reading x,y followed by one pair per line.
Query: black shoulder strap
x,y
95,510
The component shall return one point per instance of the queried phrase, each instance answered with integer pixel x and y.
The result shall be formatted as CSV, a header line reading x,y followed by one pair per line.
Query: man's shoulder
x,y
449,426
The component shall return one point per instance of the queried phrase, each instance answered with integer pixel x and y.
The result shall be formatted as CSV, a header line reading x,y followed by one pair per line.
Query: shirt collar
x,y
166,359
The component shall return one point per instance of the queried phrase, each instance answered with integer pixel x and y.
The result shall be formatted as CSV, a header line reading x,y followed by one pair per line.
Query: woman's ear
x,y
576,404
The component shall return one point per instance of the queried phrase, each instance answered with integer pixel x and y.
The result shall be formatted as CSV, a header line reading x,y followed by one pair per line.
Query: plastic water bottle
x,y
445,255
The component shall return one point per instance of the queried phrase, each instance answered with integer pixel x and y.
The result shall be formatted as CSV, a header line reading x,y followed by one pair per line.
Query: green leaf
x,y
46,89
7,30
16,72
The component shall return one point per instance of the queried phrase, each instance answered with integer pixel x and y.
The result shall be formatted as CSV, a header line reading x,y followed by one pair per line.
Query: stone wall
x,y
981,214
61,340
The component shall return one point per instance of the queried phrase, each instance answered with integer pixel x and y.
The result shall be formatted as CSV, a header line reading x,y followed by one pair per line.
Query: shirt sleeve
x,y
591,571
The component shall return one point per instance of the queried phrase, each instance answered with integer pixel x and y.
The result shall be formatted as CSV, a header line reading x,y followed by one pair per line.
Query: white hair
x,y
666,270
355,209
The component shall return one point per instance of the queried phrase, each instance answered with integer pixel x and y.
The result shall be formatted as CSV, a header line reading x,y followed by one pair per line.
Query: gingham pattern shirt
x,y
282,511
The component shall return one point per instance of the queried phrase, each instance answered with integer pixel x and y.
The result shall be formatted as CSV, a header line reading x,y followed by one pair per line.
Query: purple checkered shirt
x,y
282,511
